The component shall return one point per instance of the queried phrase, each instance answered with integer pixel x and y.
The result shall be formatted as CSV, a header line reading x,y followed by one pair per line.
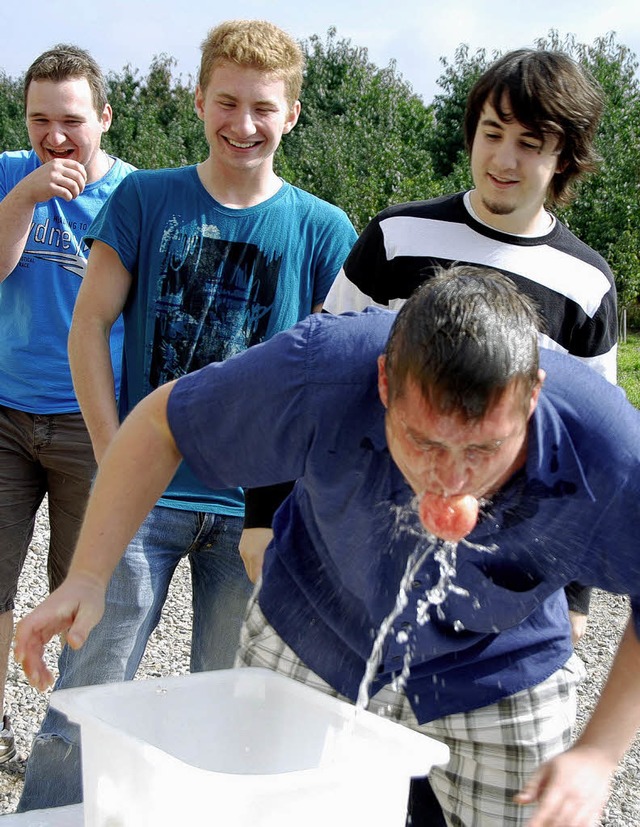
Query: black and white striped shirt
x,y
571,284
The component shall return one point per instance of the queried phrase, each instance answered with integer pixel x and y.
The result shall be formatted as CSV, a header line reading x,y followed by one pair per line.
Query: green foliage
x,y
365,140
447,144
629,368
13,132
154,123
606,212
362,138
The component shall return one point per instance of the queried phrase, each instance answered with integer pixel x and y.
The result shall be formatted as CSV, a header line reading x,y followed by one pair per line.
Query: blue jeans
x,y
135,597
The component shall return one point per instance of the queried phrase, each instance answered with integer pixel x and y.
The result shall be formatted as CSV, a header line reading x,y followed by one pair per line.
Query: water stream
x,y
445,553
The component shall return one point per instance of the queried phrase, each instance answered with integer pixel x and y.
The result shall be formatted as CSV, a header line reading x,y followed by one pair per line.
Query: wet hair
x,y
551,95
65,62
464,337
257,44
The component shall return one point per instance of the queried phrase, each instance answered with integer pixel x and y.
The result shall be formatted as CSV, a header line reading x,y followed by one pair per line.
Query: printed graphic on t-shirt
x,y
71,262
55,241
214,300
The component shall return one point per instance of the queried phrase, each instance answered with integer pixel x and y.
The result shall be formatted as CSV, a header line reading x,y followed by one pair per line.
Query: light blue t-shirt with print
x,y
37,298
209,281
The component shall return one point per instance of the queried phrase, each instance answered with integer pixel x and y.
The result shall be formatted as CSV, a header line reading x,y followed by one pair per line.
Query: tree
x,y
154,122
447,144
362,138
365,140
13,130
606,211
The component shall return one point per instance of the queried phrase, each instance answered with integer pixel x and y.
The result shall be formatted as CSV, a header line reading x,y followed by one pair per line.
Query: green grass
x,y
629,367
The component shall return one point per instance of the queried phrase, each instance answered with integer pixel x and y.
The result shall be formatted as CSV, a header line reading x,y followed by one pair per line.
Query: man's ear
x,y
383,382
535,393
198,102
106,117
292,118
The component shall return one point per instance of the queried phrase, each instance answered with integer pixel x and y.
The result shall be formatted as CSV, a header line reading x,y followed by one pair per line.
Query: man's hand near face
x,y
61,178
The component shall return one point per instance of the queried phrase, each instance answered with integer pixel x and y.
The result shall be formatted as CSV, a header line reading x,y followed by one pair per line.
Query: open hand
x,y
571,789
71,610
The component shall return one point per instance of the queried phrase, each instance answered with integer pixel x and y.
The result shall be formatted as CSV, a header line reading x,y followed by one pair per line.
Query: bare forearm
x,y
93,381
616,718
100,301
573,787
61,178
56,179
16,215
135,470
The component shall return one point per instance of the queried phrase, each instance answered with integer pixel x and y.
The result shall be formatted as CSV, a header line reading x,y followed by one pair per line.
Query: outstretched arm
x,y
136,469
572,789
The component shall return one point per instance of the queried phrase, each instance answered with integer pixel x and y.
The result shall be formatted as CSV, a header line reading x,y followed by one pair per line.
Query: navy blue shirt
x,y
305,406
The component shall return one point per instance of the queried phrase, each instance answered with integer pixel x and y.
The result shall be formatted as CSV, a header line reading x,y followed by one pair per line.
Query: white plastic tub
x,y
240,748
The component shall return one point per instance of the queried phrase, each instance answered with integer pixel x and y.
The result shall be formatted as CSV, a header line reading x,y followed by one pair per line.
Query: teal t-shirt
x,y
210,281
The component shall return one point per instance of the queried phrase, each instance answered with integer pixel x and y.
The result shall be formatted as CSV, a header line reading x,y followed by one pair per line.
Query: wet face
x,y
512,170
245,113
446,455
63,123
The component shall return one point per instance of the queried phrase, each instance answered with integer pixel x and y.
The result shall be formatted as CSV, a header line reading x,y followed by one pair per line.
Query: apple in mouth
x,y
449,518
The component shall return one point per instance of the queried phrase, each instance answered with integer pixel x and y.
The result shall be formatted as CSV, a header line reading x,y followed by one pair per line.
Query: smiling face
x,y
63,123
445,454
512,170
245,114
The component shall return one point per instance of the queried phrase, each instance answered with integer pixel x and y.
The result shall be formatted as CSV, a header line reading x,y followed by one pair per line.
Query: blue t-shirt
x,y
209,281
38,297
343,537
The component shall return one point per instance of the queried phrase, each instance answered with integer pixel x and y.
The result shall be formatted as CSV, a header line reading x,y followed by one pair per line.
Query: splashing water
x,y
445,553
416,559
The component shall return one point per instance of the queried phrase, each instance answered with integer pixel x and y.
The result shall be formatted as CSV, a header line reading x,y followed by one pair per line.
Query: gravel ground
x,y
167,653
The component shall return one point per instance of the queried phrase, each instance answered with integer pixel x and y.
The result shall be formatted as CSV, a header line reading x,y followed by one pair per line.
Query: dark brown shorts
x,y
41,455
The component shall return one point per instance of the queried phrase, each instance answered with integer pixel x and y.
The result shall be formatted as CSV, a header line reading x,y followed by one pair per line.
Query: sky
x,y
414,33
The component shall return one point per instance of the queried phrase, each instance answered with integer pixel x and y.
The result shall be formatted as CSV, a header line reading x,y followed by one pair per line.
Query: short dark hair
x,y
66,61
550,94
464,336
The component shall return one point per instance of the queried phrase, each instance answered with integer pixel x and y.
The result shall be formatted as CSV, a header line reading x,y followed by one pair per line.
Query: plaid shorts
x,y
493,749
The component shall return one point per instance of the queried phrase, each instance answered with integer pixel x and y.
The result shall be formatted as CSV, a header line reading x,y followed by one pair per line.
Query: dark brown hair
x,y
550,94
464,336
66,61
